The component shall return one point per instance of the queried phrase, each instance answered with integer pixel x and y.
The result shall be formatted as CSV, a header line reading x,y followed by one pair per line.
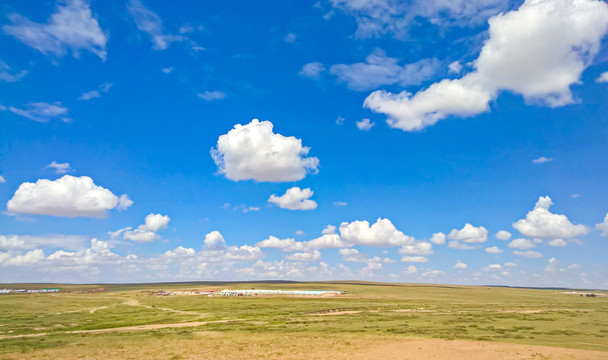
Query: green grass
x,y
524,316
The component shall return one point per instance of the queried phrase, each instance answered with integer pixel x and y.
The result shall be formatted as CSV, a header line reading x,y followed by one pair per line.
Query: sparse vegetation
x,y
30,323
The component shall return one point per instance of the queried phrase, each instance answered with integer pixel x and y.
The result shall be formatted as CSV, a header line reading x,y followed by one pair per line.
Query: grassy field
x,y
71,321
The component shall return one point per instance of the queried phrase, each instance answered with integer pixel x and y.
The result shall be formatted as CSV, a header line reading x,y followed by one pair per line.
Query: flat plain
x,y
401,321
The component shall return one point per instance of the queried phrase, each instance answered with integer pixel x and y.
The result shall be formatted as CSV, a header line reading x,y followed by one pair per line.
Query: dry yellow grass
x,y
232,345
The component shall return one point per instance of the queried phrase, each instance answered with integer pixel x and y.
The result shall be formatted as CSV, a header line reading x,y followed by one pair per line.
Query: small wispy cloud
x,y
72,27
290,38
7,75
365,124
149,22
60,168
212,95
102,89
312,70
541,160
41,111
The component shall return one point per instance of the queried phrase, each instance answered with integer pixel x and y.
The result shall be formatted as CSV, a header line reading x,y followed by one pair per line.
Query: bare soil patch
x,y
336,313
219,345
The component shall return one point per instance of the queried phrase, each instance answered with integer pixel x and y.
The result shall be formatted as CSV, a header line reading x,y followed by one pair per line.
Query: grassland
x,y
74,324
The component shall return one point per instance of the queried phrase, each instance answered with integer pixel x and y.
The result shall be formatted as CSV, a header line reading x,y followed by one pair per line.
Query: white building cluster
x,y
251,292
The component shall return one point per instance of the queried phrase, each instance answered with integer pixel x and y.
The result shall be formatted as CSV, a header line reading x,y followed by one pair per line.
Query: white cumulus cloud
x,y
382,234
460,265
214,241
327,241
493,250
522,244
254,151
294,199
540,223
503,235
67,196
288,245
603,226
438,238
603,78
146,232
538,51
469,234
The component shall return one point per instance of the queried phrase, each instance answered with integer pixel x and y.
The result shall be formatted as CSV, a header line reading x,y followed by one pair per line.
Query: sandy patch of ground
x,y
523,311
414,310
473,350
234,345
92,311
336,313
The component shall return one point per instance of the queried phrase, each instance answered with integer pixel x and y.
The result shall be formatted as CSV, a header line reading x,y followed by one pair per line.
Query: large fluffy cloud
x,y
294,199
254,151
72,27
382,233
214,241
68,196
540,223
146,232
98,253
325,241
537,51
99,261
469,234
288,245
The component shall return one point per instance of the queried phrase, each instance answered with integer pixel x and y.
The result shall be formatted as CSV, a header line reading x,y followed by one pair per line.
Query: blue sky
x,y
129,149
